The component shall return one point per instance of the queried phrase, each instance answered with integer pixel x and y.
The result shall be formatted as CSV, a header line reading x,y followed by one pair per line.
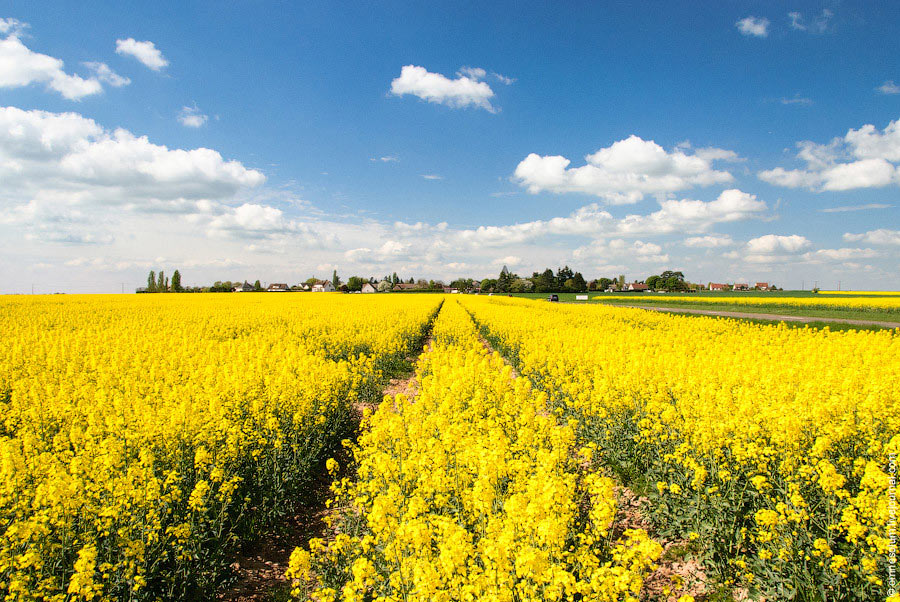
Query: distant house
x,y
323,286
368,288
636,286
763,286
740,287
717,286
405,287
305,287
243,288
278,287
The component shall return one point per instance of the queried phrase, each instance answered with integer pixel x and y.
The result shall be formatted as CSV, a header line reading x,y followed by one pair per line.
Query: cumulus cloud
x,y
773,243
252,221
464,91
106,75
772,248
889,87
689,215
685,215
619,249
146,52
20,66
192,117
710,241
840,255
881,236
863,158
753,26
389,250
624,172
67,160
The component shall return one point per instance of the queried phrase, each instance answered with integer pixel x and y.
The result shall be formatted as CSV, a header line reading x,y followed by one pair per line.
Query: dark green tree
x,y
545,282
151,282
257,286
176,281
604,283
160,282
395,279
355,283
580,283
335,281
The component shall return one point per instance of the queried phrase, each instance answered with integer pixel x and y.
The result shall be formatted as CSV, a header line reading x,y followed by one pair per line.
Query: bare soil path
x,y
758,316
261,567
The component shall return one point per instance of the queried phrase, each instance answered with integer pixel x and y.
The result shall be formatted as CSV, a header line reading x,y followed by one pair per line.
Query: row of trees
x,y
160,283
565,280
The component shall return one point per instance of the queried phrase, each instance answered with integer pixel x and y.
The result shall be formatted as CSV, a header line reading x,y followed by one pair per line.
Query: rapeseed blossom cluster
x,y
767,443
142,437
472,491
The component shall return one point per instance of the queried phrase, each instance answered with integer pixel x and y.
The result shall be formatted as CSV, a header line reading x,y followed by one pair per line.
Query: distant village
x,y
564,280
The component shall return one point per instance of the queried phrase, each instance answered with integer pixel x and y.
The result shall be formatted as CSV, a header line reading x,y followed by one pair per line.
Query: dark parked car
x,y
553,298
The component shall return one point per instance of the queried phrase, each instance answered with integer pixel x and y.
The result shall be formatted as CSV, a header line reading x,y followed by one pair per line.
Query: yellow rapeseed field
x,y
769,444
143,438
140,437
472,492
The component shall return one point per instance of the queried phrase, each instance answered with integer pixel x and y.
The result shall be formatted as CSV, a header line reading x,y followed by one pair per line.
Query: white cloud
x,y
796,99
710,241
753,26
20,66
624,172
688,215
431,176
863,158
12,26
145,52
820,24
388,251
774,243
882,236
840,255
846,208
252,221
64,158
386,159
464,91
106,75
472,72
503,79
889,87
192,117
684,215
618,249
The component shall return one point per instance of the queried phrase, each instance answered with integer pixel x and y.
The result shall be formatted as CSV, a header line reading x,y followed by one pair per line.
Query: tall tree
x,y
176,281
580,283
151,282
335,281
395,279
161,282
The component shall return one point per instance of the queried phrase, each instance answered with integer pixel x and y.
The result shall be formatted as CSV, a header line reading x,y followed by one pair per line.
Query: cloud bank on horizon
x,y
85,198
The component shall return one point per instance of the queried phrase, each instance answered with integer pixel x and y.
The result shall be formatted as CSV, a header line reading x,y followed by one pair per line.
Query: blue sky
x,y
733,141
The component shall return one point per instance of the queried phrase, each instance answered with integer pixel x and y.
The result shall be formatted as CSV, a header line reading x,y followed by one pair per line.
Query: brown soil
x,y
261,570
